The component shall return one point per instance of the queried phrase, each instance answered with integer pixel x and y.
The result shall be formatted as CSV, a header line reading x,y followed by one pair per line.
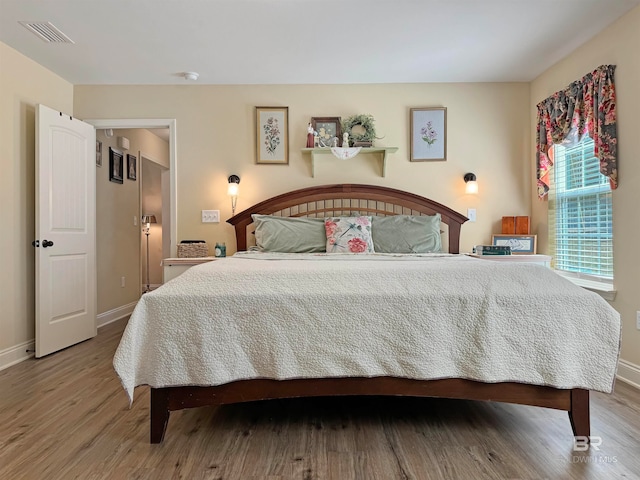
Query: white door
x,y
65,231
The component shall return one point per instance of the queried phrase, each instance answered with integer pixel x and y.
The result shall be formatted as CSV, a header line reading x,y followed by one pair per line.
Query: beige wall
x,y
23,85
617,45
488,134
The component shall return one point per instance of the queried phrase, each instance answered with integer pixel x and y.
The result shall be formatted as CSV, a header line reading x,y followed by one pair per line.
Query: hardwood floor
x,y
67,417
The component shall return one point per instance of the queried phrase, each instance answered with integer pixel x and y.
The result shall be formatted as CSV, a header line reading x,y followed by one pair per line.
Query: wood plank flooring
x,y
67,417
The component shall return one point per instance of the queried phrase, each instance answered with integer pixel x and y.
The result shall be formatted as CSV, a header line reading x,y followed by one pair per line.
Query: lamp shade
x,y
233,188
148,218
472,185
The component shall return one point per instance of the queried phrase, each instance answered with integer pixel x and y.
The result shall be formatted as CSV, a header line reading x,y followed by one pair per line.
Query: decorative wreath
x,y
366,121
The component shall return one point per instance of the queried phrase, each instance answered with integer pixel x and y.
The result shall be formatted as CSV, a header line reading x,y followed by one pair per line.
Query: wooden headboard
x,y
345,200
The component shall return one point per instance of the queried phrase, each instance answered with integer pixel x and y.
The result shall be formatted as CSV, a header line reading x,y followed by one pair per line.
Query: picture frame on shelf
x,y
272,135
327,129
520,244
428,134
132,167
98,153
116,161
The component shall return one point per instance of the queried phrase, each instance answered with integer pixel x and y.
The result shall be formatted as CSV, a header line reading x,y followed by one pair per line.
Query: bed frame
x,y
342,200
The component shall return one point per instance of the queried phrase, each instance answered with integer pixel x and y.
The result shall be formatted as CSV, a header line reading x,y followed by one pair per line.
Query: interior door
x,y
65,245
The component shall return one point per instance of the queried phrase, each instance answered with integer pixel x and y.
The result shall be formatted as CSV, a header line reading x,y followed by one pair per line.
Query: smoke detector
x,y
191,75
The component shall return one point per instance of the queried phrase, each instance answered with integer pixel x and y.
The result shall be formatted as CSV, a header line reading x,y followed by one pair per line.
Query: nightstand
x,y
536,258
172,267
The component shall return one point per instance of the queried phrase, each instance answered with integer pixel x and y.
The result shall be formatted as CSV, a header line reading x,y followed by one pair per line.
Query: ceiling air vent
x,y
47,32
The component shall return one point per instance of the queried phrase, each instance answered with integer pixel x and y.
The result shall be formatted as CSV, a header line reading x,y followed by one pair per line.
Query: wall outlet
x,y
210,216
471,214
638,319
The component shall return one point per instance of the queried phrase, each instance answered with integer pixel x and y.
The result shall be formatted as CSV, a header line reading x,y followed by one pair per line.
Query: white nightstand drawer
x,y
172,267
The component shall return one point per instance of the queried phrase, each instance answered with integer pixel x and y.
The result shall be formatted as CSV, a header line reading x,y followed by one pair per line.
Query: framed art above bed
x,y
428,134
272,135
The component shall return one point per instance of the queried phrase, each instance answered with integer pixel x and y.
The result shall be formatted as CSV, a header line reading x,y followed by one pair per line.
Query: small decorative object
x,y
327,128
116,161
361,129
335,142
220,250
345,153
98,153
272,135
519,243
310,136
519,225
131,167
192,249
428,134
345,140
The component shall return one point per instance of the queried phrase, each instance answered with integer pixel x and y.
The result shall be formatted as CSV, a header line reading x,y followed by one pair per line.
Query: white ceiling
x,y
305,41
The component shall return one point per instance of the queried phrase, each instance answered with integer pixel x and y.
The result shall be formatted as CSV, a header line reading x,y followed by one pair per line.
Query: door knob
x,y
36,243
47,243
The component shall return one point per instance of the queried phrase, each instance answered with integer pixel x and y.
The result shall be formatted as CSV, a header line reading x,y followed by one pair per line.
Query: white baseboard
x,y
629,373
111,316
12,355
18,353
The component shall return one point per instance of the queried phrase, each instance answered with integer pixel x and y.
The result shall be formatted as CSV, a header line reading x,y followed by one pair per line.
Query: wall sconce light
x,y
472,184
232,191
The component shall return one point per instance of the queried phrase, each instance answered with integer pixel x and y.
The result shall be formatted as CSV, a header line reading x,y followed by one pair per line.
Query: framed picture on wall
x,y
520,244
327,129
116,161
98,153
272,135
428,134
131,167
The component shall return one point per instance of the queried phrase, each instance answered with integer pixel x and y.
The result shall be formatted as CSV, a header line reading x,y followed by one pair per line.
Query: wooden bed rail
x,y
165,400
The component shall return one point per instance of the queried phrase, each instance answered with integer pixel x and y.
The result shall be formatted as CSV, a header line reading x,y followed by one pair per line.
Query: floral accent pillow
x,y
348,234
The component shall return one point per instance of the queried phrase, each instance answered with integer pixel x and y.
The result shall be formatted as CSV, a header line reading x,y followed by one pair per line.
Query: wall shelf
x,y
365,150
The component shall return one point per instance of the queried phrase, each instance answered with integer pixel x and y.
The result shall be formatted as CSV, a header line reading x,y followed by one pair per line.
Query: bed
x,y
190,371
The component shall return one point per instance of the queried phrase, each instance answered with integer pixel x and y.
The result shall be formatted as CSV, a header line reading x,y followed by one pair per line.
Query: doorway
x,y
119,292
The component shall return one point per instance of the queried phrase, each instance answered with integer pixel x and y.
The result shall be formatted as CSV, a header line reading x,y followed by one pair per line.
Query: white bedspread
x,y
417,316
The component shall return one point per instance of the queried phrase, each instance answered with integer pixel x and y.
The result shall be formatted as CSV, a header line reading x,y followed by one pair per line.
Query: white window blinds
x,y
580,213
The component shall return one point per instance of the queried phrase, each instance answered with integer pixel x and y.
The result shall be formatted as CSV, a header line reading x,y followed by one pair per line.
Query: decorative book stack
x,y
492,250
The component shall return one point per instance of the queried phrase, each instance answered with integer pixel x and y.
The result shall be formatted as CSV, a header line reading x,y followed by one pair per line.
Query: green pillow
x,y
289,234
406,234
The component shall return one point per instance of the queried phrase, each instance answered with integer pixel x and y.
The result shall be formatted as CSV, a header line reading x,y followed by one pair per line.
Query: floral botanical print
x,y
348,234
271,135
586,106
428,133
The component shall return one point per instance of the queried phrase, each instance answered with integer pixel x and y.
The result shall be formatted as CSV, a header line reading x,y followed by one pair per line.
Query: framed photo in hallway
x,y
98,153
116,161
131,167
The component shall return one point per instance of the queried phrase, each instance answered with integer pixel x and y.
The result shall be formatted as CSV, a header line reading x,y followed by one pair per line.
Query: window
x,y
580,213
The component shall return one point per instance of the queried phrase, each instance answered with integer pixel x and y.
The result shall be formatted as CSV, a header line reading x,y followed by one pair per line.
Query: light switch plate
x,y
210,216
471,214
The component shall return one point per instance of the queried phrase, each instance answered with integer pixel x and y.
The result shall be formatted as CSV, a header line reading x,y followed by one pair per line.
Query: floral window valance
x,y
586,106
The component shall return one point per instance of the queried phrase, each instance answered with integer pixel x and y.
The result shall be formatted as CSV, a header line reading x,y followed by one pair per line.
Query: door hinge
x,y
35,243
